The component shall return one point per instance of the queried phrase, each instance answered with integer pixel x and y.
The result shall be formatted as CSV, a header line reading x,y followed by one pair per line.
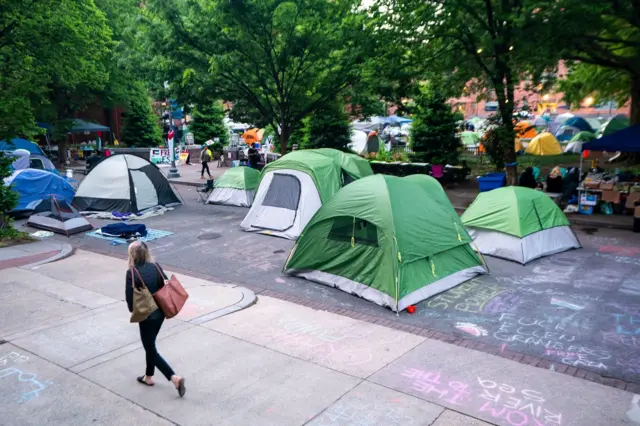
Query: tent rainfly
x,y
236,187
544,144
58,216
615,124
518,224
19,143
385,239
292,189
33,184
124,183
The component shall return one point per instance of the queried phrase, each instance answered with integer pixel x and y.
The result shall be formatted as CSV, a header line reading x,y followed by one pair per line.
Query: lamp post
x,y
173,170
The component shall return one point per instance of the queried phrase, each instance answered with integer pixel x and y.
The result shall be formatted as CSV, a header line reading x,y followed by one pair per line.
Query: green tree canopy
x,y
284,59
329,127
141,128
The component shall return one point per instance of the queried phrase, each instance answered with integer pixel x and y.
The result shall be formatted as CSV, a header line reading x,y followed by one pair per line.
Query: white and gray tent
x,y
56,215
236,187
124,183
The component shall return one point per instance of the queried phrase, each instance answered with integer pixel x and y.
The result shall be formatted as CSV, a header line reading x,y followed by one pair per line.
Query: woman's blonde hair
x,y
139,253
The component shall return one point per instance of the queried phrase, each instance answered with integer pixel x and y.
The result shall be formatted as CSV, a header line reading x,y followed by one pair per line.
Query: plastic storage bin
x,y
492,181
585,209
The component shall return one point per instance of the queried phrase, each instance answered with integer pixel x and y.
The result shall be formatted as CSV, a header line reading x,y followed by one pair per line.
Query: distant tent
x,y
580,123
58,216
236,187
544,144
566,133
33,161
519,224
540,122
575,145
525,130
19,143
32,185
394,119
615,124
469,138
358,142
383,238
563,117
124,183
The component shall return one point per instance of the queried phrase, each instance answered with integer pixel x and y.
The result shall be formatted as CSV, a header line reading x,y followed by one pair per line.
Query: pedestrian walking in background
x,y
143,279
205,157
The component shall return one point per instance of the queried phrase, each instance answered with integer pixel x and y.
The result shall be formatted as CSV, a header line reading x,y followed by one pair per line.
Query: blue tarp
x,y
33,185
580,123
19,143
394,119
625,140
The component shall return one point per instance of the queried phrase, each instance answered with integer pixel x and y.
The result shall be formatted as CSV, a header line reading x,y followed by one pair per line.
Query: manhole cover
x,y
278,251
209,236
590,231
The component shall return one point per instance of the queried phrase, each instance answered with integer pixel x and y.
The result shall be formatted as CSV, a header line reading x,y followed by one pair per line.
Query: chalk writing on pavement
x,y
28,383
468,297
489,398
364,413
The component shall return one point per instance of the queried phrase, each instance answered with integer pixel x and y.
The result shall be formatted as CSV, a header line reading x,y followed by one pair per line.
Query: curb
x,y
66,250
576,221
177,182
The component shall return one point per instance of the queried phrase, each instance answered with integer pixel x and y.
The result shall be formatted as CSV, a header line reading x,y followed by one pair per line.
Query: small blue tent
x,y
33,185
580,123
19,143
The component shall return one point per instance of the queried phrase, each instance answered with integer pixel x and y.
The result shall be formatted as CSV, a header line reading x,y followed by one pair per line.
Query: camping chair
x,y
222,160
205,190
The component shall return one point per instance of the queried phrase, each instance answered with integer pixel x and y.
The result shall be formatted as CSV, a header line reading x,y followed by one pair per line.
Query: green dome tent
x,y
519,224
433,188
575,145
292,189
236,187
385,239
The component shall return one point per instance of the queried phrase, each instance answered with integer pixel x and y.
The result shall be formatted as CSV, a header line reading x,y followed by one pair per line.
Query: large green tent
x,y
294,187
236,187
583,136
385,239
432,187
519,224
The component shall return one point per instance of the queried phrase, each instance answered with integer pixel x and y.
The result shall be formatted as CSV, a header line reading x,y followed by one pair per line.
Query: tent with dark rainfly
x,y
519,224
124,183
236,187
19,143
57,215
294,187
385,239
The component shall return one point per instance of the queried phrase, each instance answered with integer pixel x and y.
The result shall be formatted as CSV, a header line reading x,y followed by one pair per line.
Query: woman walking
x,y
143,272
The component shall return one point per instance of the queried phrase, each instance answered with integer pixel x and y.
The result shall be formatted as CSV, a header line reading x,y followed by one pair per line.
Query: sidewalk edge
x,y
66,250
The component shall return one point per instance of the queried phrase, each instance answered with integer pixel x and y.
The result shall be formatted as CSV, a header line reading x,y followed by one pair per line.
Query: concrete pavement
x,y
69,356
34,253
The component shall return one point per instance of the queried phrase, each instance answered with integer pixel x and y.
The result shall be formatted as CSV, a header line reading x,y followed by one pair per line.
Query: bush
x,y
433,131
140,128
8,197
207,122
329,128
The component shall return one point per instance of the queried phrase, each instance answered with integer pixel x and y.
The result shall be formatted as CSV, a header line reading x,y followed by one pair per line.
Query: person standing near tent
x,y
554,181
254,156
205,157
527,179
143,272
93,160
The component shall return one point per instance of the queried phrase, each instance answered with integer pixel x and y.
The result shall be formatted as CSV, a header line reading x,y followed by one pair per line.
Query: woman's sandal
x,y
143,381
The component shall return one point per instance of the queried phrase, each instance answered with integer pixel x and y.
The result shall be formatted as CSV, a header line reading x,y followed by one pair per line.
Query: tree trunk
x,y
634,115
285,134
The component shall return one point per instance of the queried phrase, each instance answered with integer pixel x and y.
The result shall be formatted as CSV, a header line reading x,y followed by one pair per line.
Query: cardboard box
x,y
592,185
606,186
611,196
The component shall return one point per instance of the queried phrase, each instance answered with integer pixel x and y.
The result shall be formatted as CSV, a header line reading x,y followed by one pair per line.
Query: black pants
x,y
205,166
149,330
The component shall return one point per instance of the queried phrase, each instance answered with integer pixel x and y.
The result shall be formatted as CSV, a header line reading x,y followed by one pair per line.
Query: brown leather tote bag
x,y
172,297
143,302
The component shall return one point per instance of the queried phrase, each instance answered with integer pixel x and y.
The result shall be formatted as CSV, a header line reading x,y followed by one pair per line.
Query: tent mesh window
x,y
284,192
345,228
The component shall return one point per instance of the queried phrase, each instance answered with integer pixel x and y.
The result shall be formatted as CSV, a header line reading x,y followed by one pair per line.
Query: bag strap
x,y
133,282
162,274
